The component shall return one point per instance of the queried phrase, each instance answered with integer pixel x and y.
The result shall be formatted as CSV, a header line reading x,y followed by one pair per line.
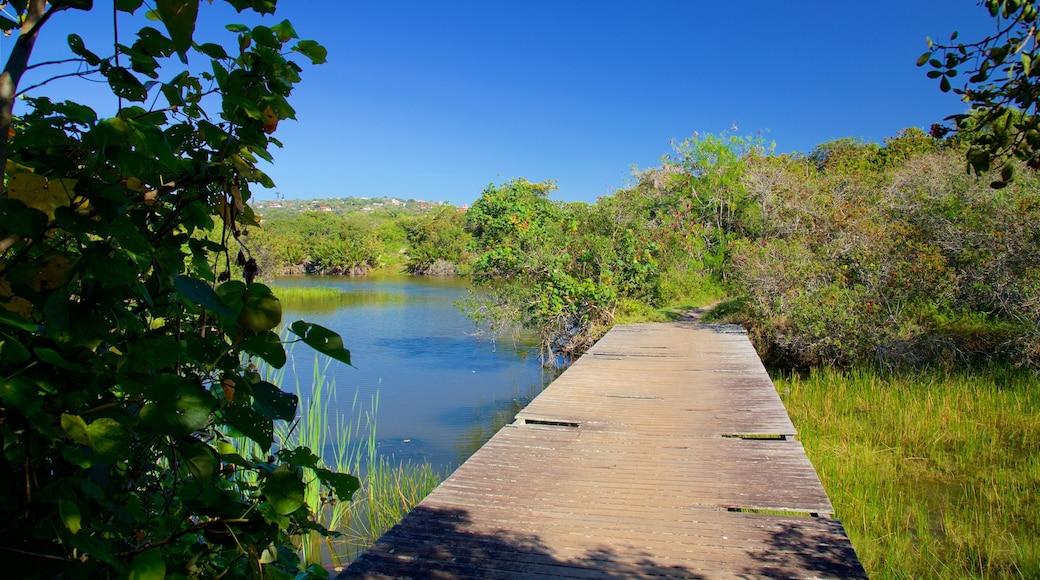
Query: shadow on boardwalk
x,y
794,549
440,543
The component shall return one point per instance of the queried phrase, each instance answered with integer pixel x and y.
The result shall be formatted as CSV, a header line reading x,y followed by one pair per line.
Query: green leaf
x,y
228,454
312,50
1007,172
22,395
273,403
200,459
321,339
177,407
11,319
51,357
109,440
261,6
923,58
202,294
252,424
979,159
343,484
28,222
179,17
248,106
130,6
213,50
124,84
261,310
76,4
8,24
12,351
944,85
75,427
300,457
264,36
284,489
70,515
79,456
267,346
284,31
148,565
76,44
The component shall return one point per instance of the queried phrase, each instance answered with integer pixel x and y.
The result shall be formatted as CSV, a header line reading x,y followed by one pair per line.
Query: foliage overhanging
x,y
126,345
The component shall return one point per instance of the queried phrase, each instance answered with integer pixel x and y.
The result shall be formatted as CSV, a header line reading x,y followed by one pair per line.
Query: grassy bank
x,y
934,475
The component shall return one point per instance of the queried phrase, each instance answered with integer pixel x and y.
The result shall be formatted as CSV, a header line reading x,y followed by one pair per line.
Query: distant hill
x,y
346,205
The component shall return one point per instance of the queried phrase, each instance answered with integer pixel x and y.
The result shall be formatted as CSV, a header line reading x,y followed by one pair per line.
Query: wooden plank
x,y
644,459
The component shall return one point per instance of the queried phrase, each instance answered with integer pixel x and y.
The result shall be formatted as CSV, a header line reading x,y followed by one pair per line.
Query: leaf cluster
x,y
1000,85
127,348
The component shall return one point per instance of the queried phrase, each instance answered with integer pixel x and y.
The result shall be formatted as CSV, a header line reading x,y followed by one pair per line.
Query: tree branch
x,y
36,15
54,78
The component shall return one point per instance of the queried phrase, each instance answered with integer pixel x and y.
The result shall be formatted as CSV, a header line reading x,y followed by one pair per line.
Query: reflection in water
x,y
443,388
486,420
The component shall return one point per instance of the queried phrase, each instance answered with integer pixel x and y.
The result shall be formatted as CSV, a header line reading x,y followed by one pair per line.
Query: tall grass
x,y
934,475
311,298
389,489
329,299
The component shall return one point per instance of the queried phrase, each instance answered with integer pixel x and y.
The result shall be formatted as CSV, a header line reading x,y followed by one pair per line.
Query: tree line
x,y
889,253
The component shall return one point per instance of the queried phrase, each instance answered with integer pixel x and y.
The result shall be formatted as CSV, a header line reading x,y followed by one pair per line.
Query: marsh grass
x,y
312,299
934,475
389,489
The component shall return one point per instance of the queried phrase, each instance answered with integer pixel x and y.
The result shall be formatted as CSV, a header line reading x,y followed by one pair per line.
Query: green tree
x,y
1001,84
438,243
508,224
127,351
542,268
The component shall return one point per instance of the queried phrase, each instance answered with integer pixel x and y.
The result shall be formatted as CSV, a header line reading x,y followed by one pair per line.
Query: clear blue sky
x,y
435,100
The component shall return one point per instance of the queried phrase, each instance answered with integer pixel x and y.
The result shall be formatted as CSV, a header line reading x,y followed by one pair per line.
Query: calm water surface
x,y
443,388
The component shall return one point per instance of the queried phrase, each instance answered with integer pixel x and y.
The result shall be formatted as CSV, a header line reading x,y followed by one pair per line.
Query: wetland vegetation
x,y
895,296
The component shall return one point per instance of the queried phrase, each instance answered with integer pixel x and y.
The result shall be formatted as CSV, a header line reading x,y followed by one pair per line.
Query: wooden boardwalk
x,y
664,452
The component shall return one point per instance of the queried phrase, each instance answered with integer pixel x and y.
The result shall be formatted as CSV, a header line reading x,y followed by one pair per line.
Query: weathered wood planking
x,y
664,452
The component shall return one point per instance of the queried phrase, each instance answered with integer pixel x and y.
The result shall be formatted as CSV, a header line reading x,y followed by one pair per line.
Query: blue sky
x,y
435,100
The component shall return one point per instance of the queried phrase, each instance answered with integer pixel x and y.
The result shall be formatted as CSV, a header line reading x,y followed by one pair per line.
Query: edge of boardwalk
x,y
663,452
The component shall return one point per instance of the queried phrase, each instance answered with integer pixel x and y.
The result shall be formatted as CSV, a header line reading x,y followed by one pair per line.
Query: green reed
x,y
311,298
935,474
389,490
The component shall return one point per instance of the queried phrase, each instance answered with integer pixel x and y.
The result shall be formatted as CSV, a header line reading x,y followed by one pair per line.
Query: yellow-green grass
x,y
935,474
312,299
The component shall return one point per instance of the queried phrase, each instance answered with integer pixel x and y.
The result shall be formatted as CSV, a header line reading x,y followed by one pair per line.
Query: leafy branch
x,y
1002,124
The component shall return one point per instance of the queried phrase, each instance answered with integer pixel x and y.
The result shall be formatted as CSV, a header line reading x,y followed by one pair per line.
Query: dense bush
x,y
438,244
890,259
319,242
558,268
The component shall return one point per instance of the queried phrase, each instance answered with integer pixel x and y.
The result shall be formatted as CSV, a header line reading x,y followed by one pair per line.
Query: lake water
x,y
443,388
